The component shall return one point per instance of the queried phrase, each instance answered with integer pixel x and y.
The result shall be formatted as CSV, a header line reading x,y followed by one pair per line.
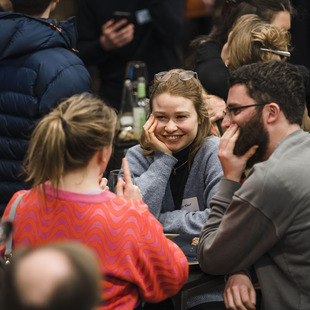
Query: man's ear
x,y
273,112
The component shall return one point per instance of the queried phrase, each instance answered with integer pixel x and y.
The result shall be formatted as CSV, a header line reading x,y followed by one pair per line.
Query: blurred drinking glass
x,y
114,176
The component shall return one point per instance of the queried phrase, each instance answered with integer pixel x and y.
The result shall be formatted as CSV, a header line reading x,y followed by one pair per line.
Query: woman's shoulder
x,y
136,149
208,148
211,142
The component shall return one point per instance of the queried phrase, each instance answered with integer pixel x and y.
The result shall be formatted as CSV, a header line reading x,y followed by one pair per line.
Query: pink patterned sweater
x,y
138,262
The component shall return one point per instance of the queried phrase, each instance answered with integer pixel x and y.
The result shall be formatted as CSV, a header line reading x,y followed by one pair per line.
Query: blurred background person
x,y
301,33
38,68
58,276
148,34
207,61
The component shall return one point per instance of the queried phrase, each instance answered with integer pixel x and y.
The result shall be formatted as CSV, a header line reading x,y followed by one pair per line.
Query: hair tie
x,y
63,123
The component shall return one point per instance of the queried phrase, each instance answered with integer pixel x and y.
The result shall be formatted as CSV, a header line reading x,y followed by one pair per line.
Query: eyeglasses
x,y
228,111
164,76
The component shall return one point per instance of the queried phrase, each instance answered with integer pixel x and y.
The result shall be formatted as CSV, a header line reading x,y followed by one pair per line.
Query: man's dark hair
x,y
30,7
274,81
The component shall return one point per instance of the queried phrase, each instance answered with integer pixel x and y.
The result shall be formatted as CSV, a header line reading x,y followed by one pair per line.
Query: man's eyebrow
x,y
233,105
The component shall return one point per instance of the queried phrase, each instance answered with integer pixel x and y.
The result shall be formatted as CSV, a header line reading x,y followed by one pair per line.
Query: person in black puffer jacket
x,y
38,68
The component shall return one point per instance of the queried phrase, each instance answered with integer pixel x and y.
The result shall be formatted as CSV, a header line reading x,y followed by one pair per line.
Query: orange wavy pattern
x,y
138,262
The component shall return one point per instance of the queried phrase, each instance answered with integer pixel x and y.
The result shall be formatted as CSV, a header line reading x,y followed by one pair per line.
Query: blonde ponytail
x,y
68,137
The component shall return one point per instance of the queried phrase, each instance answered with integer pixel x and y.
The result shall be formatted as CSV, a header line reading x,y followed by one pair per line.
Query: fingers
x,y
120,185
108,24
236,300
126,171
228,140
239,293
215,106
112,37
149,128
103,184
149,124
250,152
253,298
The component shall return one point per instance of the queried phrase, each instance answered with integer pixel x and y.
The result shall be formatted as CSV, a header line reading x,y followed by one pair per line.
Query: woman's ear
x,y
104,154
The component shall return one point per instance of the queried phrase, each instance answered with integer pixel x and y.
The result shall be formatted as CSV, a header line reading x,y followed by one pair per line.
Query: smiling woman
x,y
176,165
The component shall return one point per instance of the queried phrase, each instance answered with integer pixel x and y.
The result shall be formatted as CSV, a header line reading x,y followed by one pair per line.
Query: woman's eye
x,y
160,117
181,116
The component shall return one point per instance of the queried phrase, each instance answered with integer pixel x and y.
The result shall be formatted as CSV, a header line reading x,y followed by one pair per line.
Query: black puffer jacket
x,y
37,68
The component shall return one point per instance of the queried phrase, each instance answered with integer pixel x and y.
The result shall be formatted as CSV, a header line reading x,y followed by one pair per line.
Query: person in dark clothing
x,y
38,67
208,63
151,36
301,33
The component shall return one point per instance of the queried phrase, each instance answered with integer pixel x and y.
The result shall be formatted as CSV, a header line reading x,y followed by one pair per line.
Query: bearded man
x,y
264,222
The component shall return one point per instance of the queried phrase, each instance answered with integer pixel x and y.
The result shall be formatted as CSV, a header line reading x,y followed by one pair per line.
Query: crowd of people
x,y
222,156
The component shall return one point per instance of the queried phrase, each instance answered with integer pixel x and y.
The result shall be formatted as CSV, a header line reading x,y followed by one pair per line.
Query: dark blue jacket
x,y
37,68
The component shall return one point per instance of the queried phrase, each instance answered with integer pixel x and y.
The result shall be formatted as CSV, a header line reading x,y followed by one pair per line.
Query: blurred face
x,y
250,122
282,19
177,121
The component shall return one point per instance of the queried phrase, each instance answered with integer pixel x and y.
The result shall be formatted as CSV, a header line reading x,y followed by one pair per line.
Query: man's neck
x,y
278,134
45,14
49,9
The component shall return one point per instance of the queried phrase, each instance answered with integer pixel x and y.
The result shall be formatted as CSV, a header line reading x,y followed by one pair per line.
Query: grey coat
x,y
152,176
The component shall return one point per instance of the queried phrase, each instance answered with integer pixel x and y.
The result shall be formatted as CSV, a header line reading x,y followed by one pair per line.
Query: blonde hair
x,y
67,138
190,89
249,35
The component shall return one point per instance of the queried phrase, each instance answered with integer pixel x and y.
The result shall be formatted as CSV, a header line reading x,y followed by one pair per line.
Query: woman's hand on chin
x,y
150,138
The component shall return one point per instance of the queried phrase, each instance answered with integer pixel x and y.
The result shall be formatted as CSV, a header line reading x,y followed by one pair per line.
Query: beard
x,y
252,133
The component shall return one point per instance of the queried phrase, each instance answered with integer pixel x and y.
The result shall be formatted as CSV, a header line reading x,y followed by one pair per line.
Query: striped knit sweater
x,y
137,261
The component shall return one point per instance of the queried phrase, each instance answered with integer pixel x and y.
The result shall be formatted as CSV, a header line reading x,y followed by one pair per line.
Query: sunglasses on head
x,y
183,75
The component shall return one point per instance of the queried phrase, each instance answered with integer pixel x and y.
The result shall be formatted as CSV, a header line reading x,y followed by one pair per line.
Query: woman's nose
x,y
171,126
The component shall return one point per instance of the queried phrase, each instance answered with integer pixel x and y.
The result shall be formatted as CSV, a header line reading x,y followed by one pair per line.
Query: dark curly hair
x,y
274,81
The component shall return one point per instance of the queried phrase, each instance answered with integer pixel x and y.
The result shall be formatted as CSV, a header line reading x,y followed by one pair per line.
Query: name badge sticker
x,y
190,204
143,16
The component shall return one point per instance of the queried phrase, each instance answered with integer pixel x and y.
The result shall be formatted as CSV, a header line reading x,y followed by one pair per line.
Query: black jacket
x,y
37,68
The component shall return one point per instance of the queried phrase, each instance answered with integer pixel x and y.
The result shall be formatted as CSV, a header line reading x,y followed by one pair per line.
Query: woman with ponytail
x,y
68,153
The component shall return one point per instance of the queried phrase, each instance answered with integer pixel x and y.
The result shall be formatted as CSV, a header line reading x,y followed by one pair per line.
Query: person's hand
x,y
103,183
127,188
215,105
239,293
149,129
233,165
112,37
